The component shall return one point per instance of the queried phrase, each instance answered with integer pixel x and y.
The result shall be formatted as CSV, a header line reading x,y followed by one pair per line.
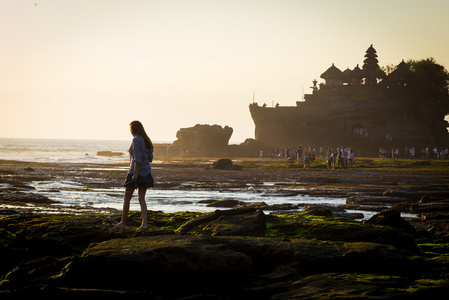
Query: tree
x,y
425,80
429,80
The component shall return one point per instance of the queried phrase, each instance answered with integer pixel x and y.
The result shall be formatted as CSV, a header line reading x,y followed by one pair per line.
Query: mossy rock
x,y
155,263
229,203
6,237
120,262
233,222
435,248
364,286
324,225
29,237
220,263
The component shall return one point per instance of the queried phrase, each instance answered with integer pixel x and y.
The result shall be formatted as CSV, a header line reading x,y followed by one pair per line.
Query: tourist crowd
x,y
342,158
412,153
360,131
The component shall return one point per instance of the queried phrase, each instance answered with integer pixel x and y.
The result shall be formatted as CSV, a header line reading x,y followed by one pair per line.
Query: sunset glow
x,y
85,69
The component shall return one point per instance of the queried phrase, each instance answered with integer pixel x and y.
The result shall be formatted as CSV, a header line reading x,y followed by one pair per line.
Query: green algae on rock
x,y
199,262
326,226
237,222
73,255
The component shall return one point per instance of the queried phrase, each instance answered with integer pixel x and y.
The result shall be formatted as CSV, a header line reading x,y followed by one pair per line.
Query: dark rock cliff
x,y
204,137
360,117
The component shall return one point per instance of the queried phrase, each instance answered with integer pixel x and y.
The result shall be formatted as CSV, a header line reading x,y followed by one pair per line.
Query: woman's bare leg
x,y
143,208
126,200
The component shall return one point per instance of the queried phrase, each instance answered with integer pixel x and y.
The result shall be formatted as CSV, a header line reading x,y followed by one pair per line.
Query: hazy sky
x,y
85,69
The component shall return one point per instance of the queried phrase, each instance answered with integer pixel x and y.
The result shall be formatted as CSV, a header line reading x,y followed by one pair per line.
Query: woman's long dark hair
x,y
137,128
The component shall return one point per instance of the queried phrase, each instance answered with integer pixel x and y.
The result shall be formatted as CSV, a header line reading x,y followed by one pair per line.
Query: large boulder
x,y
109,153
204,137
409,194
14,196
392,218
374,200
245,221
178,264
223,164
323,225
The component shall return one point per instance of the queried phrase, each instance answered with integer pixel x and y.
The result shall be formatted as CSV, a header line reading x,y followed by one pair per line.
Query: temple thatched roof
x,y
357,72
332,73
401,71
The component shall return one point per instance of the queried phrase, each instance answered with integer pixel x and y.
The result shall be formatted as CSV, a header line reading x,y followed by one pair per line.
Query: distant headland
x,y
365,108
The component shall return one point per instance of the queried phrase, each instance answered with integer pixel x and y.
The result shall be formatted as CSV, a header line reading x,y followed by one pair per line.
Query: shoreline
x,y
372,184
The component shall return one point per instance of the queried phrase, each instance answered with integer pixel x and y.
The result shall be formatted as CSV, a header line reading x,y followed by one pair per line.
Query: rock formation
x,y
204,138
109,153
364,109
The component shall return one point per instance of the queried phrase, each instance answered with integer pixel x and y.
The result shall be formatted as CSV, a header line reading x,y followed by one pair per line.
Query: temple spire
x,y
371,67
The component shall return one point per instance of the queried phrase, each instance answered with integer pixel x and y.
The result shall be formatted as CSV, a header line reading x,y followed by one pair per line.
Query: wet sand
x,y
370,179
197,173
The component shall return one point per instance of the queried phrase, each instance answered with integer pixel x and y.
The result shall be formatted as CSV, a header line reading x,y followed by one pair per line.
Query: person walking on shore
x,y
350,159
299,153
139,173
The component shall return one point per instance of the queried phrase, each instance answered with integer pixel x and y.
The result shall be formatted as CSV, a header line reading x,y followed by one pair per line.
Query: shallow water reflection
x,y
71,193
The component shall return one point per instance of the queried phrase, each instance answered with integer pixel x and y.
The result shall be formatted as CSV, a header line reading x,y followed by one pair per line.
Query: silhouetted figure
x,y
299,153
350,159
139,173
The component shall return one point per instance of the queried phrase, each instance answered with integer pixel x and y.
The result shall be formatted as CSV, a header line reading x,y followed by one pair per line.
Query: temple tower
x,y
371,67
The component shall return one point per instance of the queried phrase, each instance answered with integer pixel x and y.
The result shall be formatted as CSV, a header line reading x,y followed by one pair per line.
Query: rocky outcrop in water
x,y
204,138
109,153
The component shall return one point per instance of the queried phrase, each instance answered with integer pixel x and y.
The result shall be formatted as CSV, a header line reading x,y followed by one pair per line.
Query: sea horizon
x,y
63,150
79,139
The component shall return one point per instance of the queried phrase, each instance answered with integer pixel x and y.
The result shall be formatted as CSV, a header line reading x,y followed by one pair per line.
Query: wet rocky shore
x,y
237,252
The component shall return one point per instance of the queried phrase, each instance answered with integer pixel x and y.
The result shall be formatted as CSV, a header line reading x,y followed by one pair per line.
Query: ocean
x,y
61,150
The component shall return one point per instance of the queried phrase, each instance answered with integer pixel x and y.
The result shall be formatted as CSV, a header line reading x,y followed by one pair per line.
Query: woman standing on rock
x,y
139,174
